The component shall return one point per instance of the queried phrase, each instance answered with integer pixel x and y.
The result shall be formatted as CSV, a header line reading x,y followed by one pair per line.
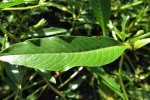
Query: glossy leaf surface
x,y
102,11
11,3
62,53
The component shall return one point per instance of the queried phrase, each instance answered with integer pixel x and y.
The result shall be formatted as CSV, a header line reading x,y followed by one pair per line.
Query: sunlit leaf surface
x,y
62,53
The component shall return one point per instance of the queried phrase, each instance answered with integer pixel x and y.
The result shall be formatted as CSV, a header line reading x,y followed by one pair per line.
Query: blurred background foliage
x,y
75,17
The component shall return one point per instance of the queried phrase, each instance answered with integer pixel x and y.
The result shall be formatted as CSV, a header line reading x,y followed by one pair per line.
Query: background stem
x,y
120,78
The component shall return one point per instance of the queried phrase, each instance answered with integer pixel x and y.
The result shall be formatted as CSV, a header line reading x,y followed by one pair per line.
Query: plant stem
x,y
104,30
44,87
54,89
137,19
23,8
34,84
8,34
10,96
130,62
131,5
45,4
76,17
70,78
18,95
132,40
120,78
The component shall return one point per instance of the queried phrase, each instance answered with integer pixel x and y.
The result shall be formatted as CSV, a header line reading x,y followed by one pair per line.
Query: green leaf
x,y
62,53
102,11
107,83
134,39
11,3
5,43
14,3
47,32
1,39
140,43
123,25
14,74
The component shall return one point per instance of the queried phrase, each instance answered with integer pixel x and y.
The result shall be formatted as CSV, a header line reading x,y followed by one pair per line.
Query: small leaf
x,y
62,53
11,3
140,43
123,25
139,32
1,39
5,42
14,74
102,11
41,23
47,32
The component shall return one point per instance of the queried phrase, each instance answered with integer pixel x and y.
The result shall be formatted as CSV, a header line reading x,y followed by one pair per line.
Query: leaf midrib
x,y
62,52
103,24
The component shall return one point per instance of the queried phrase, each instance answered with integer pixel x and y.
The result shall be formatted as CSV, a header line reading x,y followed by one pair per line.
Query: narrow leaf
x,y
14,74
14,3
140,43
11,3
106,82
102,10
62,53
47,32
1,40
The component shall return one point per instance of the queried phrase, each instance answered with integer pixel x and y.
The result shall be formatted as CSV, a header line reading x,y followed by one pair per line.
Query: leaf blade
x,y
12,3
62,53
140,43
47,32
102,11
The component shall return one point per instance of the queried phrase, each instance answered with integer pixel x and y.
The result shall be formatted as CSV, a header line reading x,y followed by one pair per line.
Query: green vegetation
x,y
74,49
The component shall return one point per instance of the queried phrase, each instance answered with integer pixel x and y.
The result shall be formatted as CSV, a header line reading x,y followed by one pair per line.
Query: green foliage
x,y
53,49
11,3
140,43
62,53
107,83
102,12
